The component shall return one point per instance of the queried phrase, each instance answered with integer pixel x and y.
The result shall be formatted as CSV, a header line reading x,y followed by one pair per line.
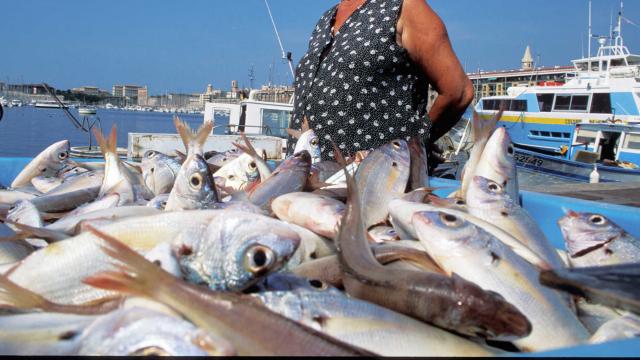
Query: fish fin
x,y
107,145
133,167
294,133
14,296
340,159
203,134
137,276
247,147
27,231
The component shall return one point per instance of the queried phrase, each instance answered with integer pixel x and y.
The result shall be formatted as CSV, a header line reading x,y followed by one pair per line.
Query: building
x,y
209,95
90,90
129,91
143,96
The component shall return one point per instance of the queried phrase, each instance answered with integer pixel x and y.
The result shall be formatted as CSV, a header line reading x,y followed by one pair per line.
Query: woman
x,y
365,78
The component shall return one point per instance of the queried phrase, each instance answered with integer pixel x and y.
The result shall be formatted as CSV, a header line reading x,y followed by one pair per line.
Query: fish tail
x,y
107,145
186,134
247,147
137,276
14,296
27,232
203,133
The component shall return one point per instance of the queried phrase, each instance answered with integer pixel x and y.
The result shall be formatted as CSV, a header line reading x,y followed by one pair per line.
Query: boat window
x,y
579,102
275,122
535,133
545,101
221,118
563,102
545,133
586,137
566,135
489,104
632,142
495,104
518,105
556,134
601,104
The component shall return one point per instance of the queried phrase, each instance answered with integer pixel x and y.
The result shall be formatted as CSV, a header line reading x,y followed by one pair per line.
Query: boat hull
x,y
572,170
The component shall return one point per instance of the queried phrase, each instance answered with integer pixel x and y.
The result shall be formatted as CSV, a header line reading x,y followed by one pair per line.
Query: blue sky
x,y
181,46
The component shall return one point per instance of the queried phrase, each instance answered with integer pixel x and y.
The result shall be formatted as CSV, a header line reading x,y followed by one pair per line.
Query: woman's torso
x,y
365,91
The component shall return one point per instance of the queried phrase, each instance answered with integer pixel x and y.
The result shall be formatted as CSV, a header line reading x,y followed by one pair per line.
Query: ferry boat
x,y
612,149
605,89
87,110
50,104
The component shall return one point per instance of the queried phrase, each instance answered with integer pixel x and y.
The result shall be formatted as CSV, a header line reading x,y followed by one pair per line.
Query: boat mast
x,y
285,55
590,37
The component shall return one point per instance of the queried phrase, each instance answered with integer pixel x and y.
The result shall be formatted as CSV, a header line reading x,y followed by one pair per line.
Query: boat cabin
x,y
608,144
252,116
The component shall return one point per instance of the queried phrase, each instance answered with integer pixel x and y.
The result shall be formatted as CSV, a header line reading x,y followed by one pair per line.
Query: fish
x,y
448,302
39,334
46,184
594,240
461,247
159,172
312,247
489,201
317,213
593,316
70,223
144,332
380,234
238,173
365,325
321,171
48,163
116,179
87,180
381,177
402,212
194,187
498,164
10,197
290,176
258,161
159,202
481,131
307,140
67,201
238,318
616,286
419,174
220,159
56,272
235,250
623,327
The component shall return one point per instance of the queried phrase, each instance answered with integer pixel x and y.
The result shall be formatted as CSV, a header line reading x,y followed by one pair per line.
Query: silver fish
x,y
489,201
380,234
317,213
235,250
238,173
159,202
498,164
365,325
595,240
461,247
116,176
48,163
381,177
86,180
46,184
159,172
624,327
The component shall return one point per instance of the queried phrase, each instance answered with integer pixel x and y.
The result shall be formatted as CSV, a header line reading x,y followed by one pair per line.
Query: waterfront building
x,y
90,90
129,91
143,96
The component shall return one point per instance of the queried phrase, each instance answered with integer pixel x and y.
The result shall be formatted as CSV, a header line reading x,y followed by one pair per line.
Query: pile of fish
x,y
207,253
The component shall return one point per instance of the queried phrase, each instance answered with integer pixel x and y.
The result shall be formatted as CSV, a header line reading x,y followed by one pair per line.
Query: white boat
x,y
16,103
87,110
604,89
50,104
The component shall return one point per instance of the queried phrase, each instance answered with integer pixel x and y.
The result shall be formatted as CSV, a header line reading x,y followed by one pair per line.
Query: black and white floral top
x,y
359,88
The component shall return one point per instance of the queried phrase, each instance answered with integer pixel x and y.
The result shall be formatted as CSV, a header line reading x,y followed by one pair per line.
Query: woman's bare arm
x,y
423,34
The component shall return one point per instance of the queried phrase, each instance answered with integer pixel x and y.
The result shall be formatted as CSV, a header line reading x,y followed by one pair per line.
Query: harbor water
x,y
25,131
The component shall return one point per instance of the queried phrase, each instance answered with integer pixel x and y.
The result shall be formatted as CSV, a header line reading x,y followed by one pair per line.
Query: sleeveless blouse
x,y
359,88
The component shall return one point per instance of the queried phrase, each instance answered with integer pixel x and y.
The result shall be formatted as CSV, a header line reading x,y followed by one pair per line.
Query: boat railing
x,y
233,129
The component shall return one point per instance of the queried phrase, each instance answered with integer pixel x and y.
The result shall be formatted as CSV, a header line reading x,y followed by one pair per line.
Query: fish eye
x,y
258,259
314,142
597,220
396,144
150,351
152,170
63,155
231,177
150,154
252,165
196,180
510,150
317,284
461,202
450,220
163,204
495,187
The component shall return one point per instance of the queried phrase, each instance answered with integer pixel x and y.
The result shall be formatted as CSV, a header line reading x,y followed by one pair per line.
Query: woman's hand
x,y
423,34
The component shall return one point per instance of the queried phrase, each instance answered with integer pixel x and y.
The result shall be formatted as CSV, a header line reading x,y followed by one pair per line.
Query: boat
x,y
604,89
4,102
50,104
16,103
87,110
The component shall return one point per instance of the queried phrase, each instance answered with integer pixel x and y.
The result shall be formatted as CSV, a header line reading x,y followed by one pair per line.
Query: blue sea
x,y
26,131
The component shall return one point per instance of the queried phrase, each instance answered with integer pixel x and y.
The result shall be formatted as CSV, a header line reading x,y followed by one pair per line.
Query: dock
x,y
627,194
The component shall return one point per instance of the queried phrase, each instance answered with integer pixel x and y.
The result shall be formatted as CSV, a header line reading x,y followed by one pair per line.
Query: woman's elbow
x,y
466,96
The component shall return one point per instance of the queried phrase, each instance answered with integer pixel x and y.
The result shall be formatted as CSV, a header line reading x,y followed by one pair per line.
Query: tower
x,y
527,60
